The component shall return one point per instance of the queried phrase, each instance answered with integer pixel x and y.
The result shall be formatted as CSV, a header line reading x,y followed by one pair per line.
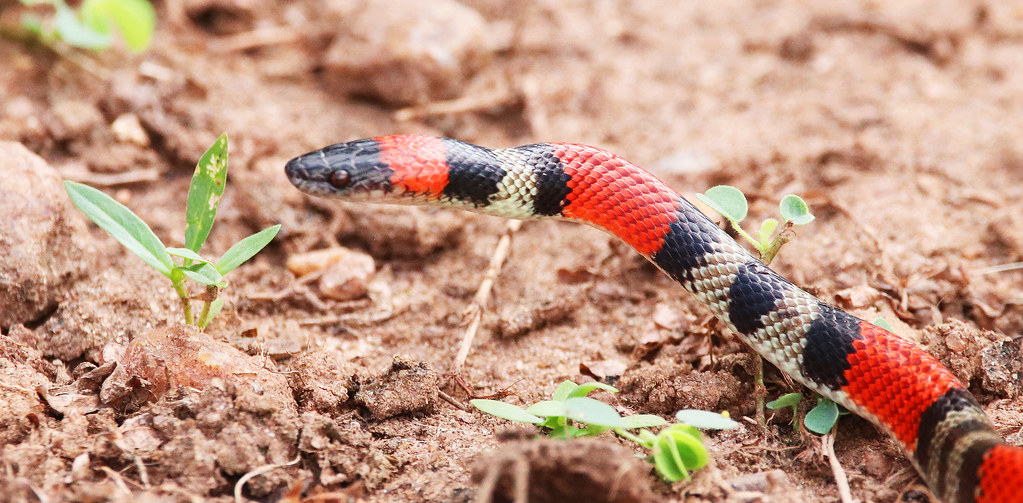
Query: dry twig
x,y
841,480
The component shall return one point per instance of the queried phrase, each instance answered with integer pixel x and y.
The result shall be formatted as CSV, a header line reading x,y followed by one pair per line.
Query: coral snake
x,y
870,371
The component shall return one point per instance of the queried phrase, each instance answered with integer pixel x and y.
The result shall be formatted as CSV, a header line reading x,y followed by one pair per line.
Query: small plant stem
x,y
744,234
759,391
786,234
179,286
629,436
211,295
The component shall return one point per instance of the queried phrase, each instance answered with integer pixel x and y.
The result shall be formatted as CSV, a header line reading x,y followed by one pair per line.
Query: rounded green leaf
x,y
134,19
127,228
678,450
564,390
642,421
590,411
729,201
74,32
586,388
883,323
786,400
705,420
505,411
795,210
547,408
245,249
822,417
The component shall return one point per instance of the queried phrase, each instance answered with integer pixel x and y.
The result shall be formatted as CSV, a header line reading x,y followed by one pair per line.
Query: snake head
x,y
350,170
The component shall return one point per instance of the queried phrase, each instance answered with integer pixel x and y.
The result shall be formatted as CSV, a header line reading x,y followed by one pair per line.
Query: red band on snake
x,y
870,371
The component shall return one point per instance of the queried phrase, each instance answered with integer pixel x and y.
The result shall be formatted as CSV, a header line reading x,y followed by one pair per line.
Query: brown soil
x,y
898,121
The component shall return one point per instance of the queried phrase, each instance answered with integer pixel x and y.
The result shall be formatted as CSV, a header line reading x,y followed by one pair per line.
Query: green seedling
x,y
675,450
821,418
201,209
92,26
731,203
883,323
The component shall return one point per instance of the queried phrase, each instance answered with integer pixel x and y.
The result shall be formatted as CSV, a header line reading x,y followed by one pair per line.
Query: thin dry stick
x,y
474,313
841,480
257,472
464,104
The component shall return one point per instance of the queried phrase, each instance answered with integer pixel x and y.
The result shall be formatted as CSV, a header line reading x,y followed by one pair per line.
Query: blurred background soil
x,y
898,122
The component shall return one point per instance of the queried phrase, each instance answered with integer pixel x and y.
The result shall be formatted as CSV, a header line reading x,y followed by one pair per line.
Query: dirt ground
x,y
898,121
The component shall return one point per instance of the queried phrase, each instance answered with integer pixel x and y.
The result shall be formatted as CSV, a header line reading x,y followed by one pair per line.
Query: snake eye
x,y
339,179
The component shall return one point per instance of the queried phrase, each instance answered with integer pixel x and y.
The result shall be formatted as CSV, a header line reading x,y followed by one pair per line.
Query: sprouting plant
x,y
731,203
675,450
821,418
201,209
93,25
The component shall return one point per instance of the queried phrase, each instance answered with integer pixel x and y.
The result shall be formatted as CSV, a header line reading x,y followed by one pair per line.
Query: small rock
x,y
407,387
408,51
126,128
73,119
183,356
37,239
345,274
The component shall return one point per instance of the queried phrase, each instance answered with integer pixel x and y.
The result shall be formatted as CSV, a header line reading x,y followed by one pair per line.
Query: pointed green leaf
x,y
547,408
505,411
245,249
729,201
204,193
705,420
564,389
766,229
786,400
127,228
586,388
795,210
202,273
185,253
821,419
590,411
642,421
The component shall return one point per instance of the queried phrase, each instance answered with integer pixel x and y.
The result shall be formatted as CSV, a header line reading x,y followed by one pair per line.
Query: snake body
x,y
872,372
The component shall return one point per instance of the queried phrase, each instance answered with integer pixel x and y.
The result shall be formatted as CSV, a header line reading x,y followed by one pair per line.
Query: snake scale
x,y
872,372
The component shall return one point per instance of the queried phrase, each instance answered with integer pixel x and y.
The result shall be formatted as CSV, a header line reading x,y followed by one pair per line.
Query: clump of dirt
x,y
552,471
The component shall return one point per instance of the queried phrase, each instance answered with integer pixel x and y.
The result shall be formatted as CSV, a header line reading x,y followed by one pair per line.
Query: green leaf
x,y
786,400
564,389
202,273
72,31
204,193
822,417
127,228
795,210
642,421
186,253
589,411
705,420
32,23
135,19
677,450
245,249
766,229
883,323
586,388
505,411
726,200
547,408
